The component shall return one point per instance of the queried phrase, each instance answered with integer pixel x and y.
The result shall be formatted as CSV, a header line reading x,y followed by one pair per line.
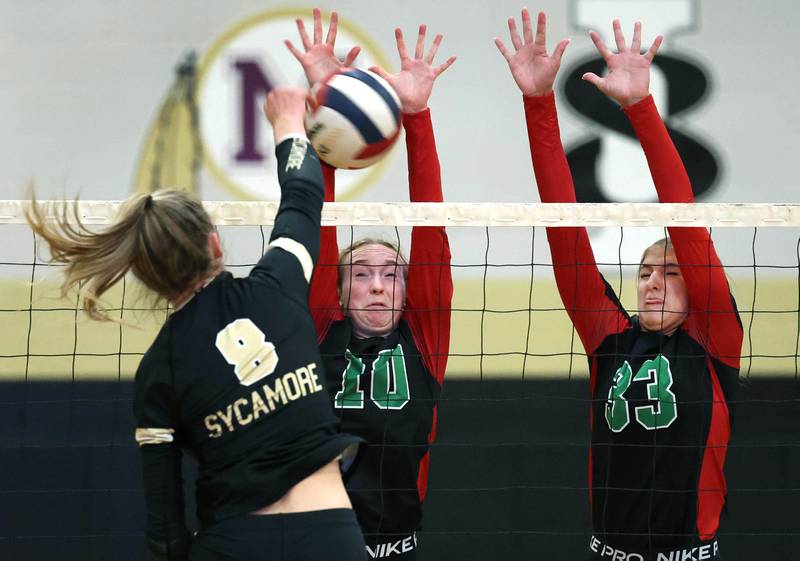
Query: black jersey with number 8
x,y
235,378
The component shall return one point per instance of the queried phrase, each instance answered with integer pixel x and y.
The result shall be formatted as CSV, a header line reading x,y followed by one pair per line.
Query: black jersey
x,y
382,392
387,487
235,378
660,425
660,416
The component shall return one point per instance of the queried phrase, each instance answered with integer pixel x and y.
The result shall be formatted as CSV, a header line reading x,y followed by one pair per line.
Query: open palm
x,y
533,69
318,58
414,82
628,78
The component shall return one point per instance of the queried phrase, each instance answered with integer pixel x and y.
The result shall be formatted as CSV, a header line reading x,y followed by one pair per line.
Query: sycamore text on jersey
x,y
292,385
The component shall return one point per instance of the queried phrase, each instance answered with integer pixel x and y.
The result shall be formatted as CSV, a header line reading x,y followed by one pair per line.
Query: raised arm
x,y
591,304
318,60
430,282
294,243
324,297
713,316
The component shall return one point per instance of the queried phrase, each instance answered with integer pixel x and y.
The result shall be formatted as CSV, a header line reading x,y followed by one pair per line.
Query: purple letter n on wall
x,y
254,85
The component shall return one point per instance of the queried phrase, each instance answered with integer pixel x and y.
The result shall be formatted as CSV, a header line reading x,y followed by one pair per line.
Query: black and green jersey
x,y
385,389
382,391
660,415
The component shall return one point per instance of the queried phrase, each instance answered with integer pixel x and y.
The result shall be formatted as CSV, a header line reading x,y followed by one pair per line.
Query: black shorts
x,y
321,535
703,551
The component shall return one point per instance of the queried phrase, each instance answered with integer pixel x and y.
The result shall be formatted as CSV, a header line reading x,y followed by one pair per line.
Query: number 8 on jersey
x,y
246,348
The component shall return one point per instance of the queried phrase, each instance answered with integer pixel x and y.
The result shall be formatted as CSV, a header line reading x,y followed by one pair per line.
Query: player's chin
x,y
379,321
661,320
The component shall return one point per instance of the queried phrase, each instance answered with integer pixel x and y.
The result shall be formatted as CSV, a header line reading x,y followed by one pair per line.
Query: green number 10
x,y
389,381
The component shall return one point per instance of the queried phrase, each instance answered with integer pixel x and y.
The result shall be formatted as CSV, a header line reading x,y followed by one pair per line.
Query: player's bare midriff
x,y
321,490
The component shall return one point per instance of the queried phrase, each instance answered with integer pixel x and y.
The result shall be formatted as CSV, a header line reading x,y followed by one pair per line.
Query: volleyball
x,y
353,118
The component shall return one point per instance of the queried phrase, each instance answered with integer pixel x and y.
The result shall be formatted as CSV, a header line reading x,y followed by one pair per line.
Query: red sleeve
x,y
713,318
323,299
430,282
591,304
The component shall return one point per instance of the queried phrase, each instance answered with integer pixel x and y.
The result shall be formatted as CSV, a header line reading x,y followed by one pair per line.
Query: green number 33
x,y
658,416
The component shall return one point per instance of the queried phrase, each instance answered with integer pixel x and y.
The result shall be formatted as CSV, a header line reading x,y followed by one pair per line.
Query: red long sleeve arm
x,y
430,282
713,315
324,295
589,301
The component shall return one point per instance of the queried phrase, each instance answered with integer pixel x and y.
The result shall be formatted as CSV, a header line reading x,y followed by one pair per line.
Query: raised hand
x,y
533,70
319,60
414,82
285,109
628,78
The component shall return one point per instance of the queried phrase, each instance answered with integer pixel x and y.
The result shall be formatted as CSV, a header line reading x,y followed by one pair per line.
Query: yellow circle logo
x,y
233,78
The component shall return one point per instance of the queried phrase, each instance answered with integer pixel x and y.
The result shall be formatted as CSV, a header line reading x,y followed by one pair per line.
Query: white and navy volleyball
x,y
354,119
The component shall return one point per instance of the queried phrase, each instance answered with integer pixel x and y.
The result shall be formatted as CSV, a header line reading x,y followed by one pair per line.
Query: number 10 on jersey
x,y
389,388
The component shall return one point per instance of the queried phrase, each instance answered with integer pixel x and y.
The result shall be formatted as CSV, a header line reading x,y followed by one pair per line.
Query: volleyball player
x,y
384,324
234,376
661,381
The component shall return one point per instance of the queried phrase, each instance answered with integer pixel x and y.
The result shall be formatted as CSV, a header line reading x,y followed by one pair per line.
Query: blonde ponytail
x,y
161,237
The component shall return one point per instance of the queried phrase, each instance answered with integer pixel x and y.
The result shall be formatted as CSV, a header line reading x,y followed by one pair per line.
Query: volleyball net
x,y
515,364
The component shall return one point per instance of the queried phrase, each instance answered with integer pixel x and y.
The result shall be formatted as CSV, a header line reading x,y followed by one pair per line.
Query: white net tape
x,y
713,215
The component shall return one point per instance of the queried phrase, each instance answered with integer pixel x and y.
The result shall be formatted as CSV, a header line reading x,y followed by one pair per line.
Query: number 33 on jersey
x,y
658,375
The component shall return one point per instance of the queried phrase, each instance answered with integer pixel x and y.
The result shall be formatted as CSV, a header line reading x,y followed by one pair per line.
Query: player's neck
x,y
183,298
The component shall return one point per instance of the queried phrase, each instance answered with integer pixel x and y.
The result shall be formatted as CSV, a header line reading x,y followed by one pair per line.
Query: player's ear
x,y
214,245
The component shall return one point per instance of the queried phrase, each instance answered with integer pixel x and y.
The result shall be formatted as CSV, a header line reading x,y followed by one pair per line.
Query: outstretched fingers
x,y
558,52
402,50
351,56
419,49
294,50
304,38
381,72
651,52
317,26
541,29
512,29
434,48
503,49
333,27
619,37
594,79
636,43
600,45
444,66
527,28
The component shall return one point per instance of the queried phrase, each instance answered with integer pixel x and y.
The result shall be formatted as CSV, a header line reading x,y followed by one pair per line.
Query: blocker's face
x,y
374,294
663,301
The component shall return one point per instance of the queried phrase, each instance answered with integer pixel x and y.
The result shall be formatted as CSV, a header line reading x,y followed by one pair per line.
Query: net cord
x,y
253,213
